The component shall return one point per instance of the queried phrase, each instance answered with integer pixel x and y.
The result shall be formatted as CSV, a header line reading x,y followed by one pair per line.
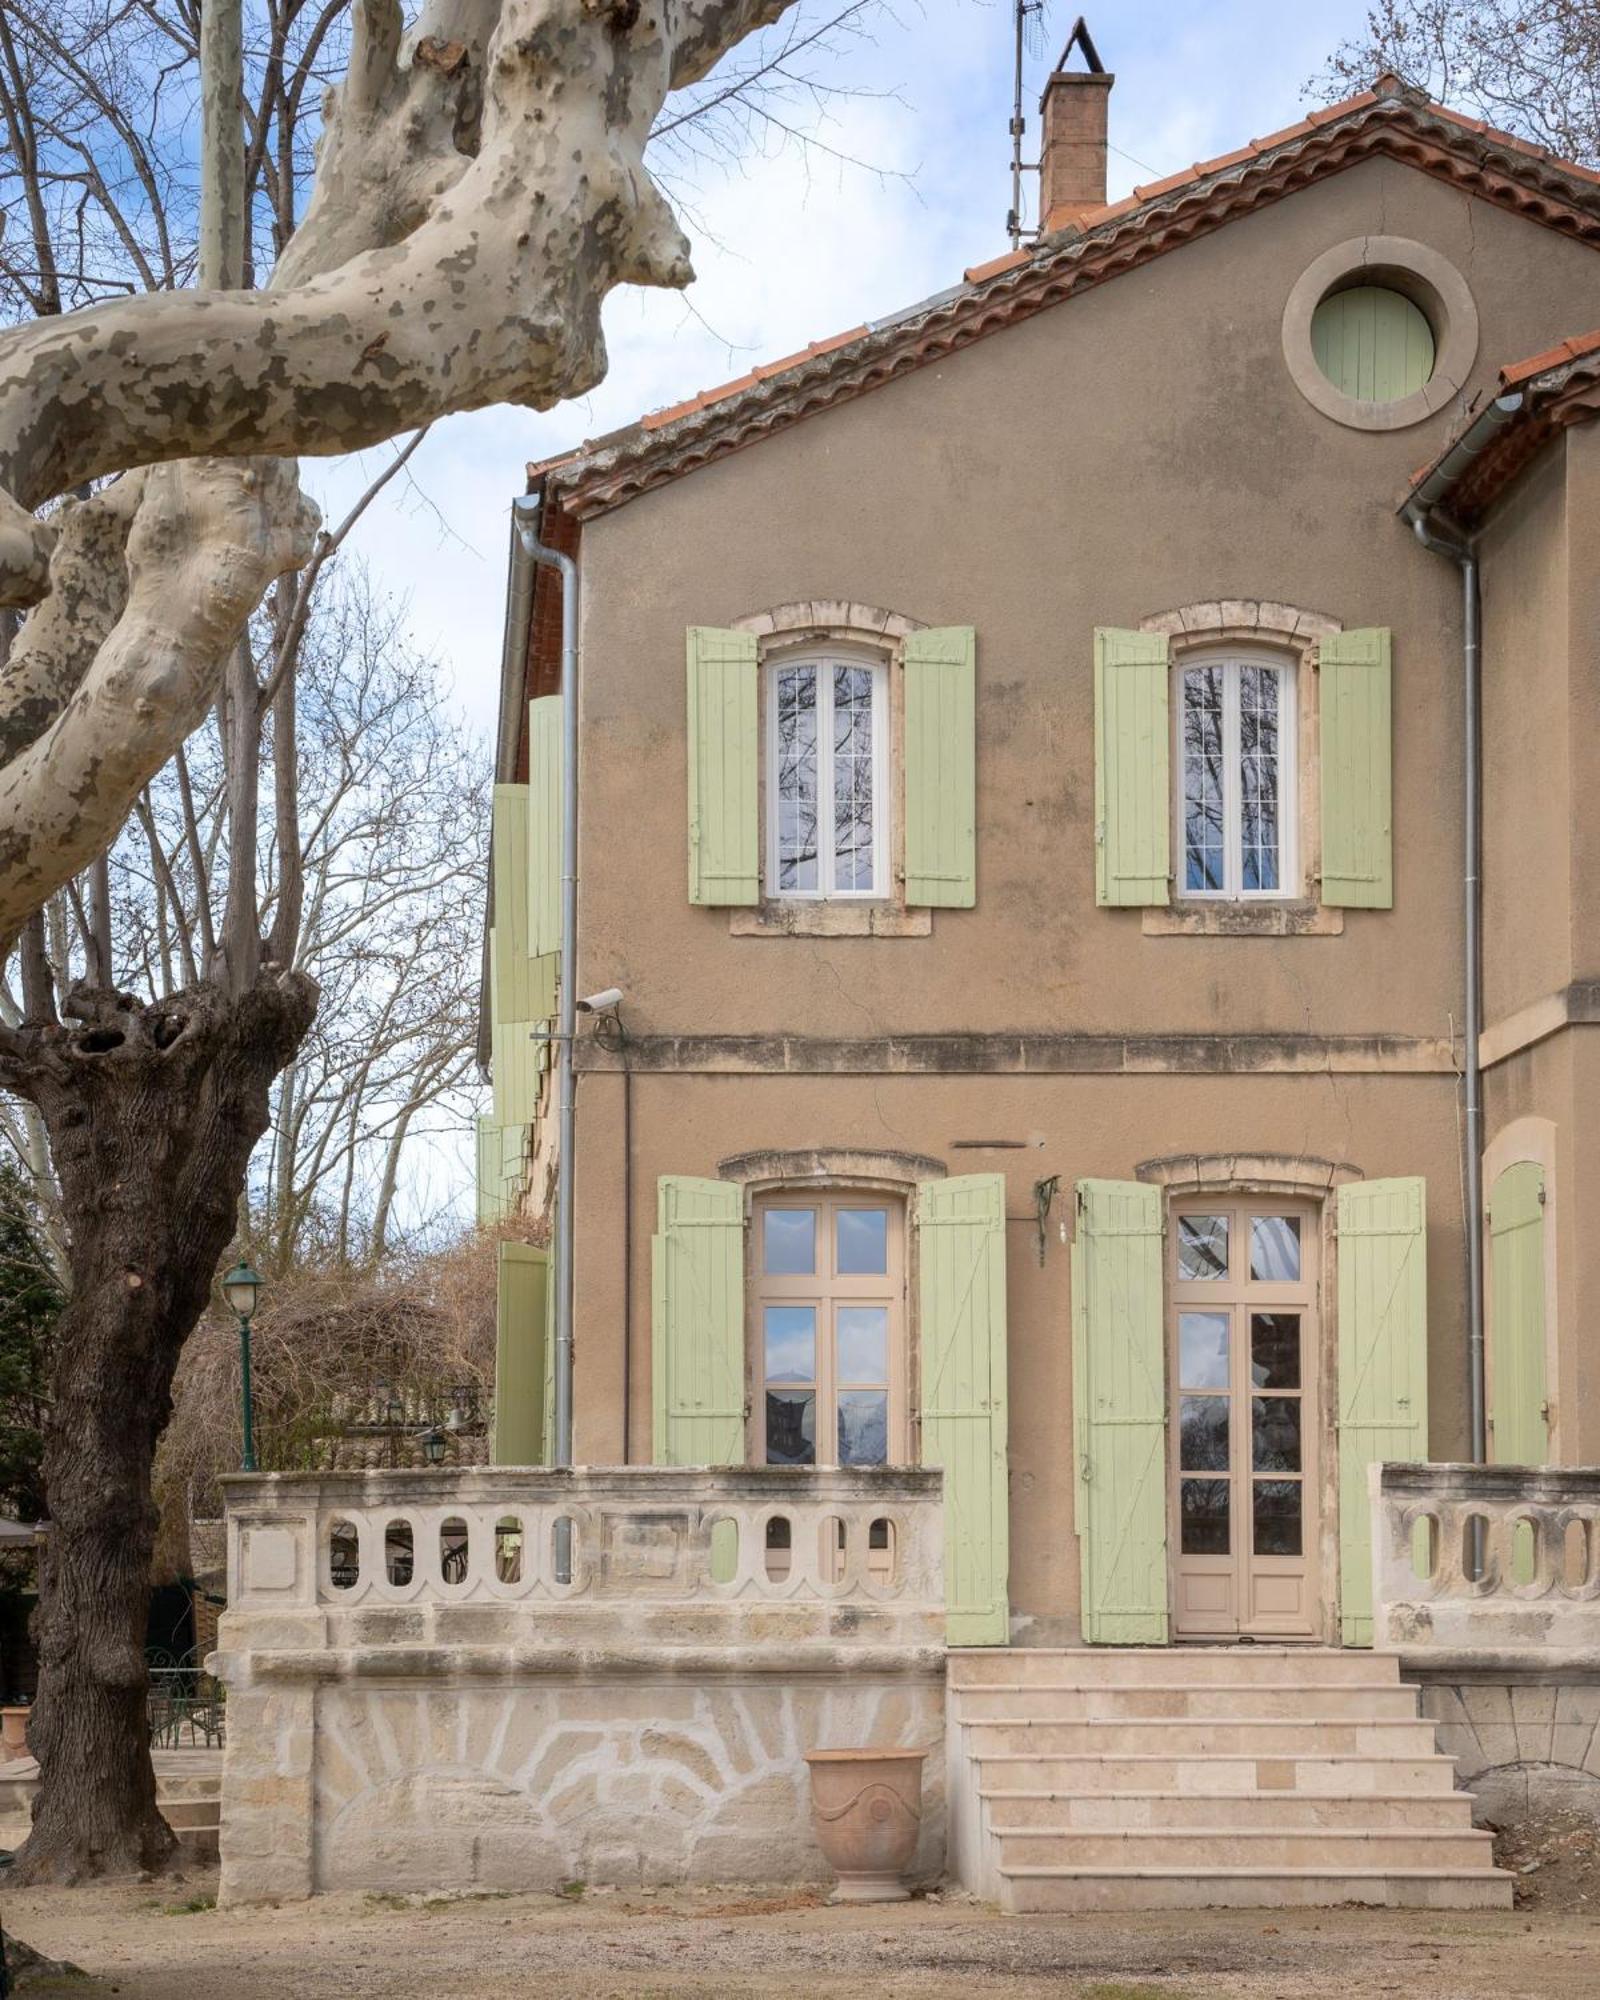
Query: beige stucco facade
x,y
1139,449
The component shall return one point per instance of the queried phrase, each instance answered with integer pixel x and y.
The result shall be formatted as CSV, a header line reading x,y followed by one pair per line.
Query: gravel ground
x,y
166,1941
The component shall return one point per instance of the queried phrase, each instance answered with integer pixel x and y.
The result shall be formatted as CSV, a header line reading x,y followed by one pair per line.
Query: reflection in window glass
x,y
795,774
863,1343
1203,1350
791,1427
824,816
1202,1247
1236,732
1203,1433
791,1335
864,1427
1275,1248
1275,1350
1203,1517
1258,777
1277,1517
863,1245
853,839
1204,859
789,1242
1276,1434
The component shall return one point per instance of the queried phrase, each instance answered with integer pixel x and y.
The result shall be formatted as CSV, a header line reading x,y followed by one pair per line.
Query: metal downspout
x,y
1457,546
525,513
1462,553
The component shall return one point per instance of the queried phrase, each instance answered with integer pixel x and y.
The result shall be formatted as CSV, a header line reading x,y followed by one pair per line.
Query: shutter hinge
x,y
1542,1193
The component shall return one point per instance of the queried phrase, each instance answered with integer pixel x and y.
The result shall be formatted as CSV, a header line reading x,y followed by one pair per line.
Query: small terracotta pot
x,y
866,1808
13,1734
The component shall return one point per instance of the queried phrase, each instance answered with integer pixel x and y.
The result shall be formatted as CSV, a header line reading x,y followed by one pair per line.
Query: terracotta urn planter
x,y
866,1808
13,1734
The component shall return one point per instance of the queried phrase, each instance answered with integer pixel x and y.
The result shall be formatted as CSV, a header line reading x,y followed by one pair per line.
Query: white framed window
x,y
1234,716
829,1309
827,777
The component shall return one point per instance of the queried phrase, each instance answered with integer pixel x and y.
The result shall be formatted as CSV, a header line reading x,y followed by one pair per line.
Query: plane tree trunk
x,y
152,1111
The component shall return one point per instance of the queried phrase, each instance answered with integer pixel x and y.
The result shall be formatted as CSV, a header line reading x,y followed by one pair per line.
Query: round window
x,y
1379,333
1373,344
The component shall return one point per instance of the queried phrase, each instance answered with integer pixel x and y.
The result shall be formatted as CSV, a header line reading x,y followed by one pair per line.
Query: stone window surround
x,y
818,621
1418,273
1288,629
1183,1176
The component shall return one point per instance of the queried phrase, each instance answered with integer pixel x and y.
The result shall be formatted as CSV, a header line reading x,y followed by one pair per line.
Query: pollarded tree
x,y
480,189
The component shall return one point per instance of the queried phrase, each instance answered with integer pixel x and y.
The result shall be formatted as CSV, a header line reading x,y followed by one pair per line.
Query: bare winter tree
x,y
1532,69
391,801
480,189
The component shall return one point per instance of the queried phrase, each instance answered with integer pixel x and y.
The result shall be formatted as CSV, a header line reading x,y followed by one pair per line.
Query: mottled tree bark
x,y
152,1112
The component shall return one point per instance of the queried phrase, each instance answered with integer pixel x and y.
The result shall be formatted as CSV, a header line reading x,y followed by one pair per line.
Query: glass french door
x,y
1244,1421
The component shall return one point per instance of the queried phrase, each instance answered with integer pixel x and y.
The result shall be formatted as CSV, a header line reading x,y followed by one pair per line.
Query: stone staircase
x,y
188,1791
1264,1777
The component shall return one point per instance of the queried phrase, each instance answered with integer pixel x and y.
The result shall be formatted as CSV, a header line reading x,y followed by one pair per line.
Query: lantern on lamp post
x,y
241,1288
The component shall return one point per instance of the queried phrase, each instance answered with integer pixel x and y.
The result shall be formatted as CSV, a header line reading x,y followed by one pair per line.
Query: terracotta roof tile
x,y
1069,232
1573,349
658,419
995,265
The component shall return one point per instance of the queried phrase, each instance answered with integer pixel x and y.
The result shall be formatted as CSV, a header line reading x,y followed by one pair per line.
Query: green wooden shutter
x,y
1119,1407
521,1343
1132,796
1519,1423
513,985
723,843
1372,343
547,1427
961,1250
1354,728
544,839
941,767
697,1325
1383,1365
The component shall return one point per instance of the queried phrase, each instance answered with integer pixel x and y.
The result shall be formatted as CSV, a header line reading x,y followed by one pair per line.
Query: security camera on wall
x,y
606,1002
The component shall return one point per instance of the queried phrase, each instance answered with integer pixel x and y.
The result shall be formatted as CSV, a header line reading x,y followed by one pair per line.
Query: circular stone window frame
x,y
1420,274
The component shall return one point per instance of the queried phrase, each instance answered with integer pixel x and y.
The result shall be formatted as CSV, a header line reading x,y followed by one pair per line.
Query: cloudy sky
x,y
791,246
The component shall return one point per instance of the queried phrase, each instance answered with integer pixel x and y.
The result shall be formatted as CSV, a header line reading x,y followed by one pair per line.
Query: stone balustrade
x,y
1486,1582
503,1677
1498,1562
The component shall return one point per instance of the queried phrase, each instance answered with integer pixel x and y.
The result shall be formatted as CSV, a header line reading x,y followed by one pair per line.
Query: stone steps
x,y
1049,1811
1186,1666
1336,1850
1193,1770
1042,1890
1259,1777
1239,1736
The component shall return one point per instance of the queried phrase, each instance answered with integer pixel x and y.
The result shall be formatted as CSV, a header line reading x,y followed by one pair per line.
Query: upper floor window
x,y
1236,776
828,787
829,1330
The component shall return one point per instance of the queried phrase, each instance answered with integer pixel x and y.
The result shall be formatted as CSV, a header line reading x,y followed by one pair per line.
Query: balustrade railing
x,y
1501,1559
693,1537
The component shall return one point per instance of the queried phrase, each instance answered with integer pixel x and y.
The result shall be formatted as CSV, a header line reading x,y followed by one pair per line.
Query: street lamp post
x,y
241,1288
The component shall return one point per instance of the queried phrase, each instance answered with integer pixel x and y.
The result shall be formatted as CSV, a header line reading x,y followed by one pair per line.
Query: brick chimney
x,y
1072,168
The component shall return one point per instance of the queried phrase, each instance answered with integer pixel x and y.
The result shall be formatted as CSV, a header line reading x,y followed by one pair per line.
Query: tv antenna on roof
x,y
1031,16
